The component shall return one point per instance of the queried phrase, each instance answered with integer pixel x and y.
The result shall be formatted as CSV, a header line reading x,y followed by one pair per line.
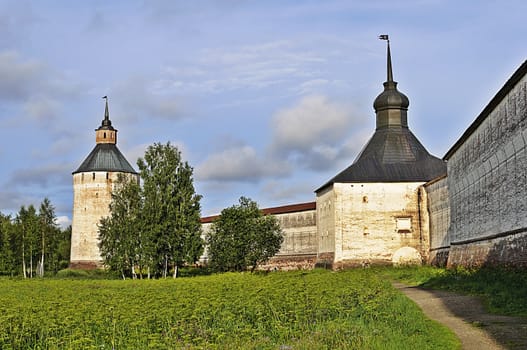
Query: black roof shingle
x,y
105,157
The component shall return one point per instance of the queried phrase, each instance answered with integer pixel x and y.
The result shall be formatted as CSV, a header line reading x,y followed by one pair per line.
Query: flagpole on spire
x,y
106,113
389,57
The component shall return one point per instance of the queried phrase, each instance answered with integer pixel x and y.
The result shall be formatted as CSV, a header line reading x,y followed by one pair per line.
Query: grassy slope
x,y
355,309
504,290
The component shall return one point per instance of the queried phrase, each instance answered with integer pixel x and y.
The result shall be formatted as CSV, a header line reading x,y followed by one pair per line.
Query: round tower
x,y
93,183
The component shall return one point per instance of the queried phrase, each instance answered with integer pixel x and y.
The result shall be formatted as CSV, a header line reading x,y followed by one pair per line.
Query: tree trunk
x,y
23,260
175,271
41,270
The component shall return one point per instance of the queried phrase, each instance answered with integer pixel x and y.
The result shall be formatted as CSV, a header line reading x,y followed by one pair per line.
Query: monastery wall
x,y
377,223
92,194
326,217
299,248
439,214
487,181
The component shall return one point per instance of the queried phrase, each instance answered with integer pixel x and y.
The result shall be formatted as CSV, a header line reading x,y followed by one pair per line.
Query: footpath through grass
x,y
503,290
355,309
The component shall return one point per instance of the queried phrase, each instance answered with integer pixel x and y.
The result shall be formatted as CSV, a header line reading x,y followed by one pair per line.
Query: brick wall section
x,y
487,181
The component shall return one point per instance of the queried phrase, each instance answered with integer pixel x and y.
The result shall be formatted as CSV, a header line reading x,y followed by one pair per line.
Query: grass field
x,y
355,309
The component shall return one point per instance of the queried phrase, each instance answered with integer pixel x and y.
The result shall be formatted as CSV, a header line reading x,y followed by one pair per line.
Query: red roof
x,y
284,209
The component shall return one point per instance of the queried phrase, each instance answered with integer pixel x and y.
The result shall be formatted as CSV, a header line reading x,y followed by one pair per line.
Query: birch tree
x,y
171,208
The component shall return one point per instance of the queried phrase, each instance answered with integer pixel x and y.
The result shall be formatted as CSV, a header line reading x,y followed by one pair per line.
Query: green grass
x,y
355,309
504,290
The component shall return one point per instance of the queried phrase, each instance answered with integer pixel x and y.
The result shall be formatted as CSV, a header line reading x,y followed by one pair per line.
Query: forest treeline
x,y
31,242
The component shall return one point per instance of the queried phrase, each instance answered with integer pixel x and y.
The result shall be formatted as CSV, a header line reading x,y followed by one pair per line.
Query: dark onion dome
x,y
105,157
106,122
391,98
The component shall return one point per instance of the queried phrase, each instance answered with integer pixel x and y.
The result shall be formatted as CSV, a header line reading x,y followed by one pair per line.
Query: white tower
x,y
92,193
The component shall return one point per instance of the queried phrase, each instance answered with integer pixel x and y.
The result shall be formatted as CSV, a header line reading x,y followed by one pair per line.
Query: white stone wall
x,y
92,194
326,217
372,221
487,174
300,233
439,213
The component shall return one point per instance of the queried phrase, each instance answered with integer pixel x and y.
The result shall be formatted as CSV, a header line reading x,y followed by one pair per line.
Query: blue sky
x,y
266,99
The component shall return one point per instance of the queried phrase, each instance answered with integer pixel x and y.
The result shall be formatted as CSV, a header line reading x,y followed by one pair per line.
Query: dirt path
x,y
467,318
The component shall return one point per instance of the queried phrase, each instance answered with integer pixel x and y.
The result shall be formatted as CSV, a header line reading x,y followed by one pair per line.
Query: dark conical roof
x,y
393,154
105,157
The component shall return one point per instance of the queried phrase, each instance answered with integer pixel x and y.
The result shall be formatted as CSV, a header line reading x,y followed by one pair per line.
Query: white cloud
x,y
140,98
63,221
312,121
238,164
311,133
42,108
20,78
287,191
42,176
259,66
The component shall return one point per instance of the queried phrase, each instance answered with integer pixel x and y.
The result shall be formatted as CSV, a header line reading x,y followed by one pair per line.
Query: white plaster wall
x,y
365,221
326,217
300,233
92,194
487,175
439,213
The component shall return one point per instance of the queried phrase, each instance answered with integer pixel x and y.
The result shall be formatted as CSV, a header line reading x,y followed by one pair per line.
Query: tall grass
x,y
319,309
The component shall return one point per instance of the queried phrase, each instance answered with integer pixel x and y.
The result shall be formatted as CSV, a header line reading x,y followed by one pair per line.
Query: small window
x,y
107,176
403,225
365,199
93,176
104,135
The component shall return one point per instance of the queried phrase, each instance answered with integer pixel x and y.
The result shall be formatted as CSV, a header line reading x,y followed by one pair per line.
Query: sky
x,y
265,99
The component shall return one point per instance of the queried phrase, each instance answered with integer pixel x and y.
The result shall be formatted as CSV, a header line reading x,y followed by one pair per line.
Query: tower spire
x,y
106,132
391,105
106,113
389,74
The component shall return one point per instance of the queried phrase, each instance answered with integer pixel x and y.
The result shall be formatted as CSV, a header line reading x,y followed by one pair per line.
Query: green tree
x,y
49,238
119,234
27,227
7,258
243,237
172,210
157,226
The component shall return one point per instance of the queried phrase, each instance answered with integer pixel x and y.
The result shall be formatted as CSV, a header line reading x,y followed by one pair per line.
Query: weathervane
x,y
389,57
384,37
